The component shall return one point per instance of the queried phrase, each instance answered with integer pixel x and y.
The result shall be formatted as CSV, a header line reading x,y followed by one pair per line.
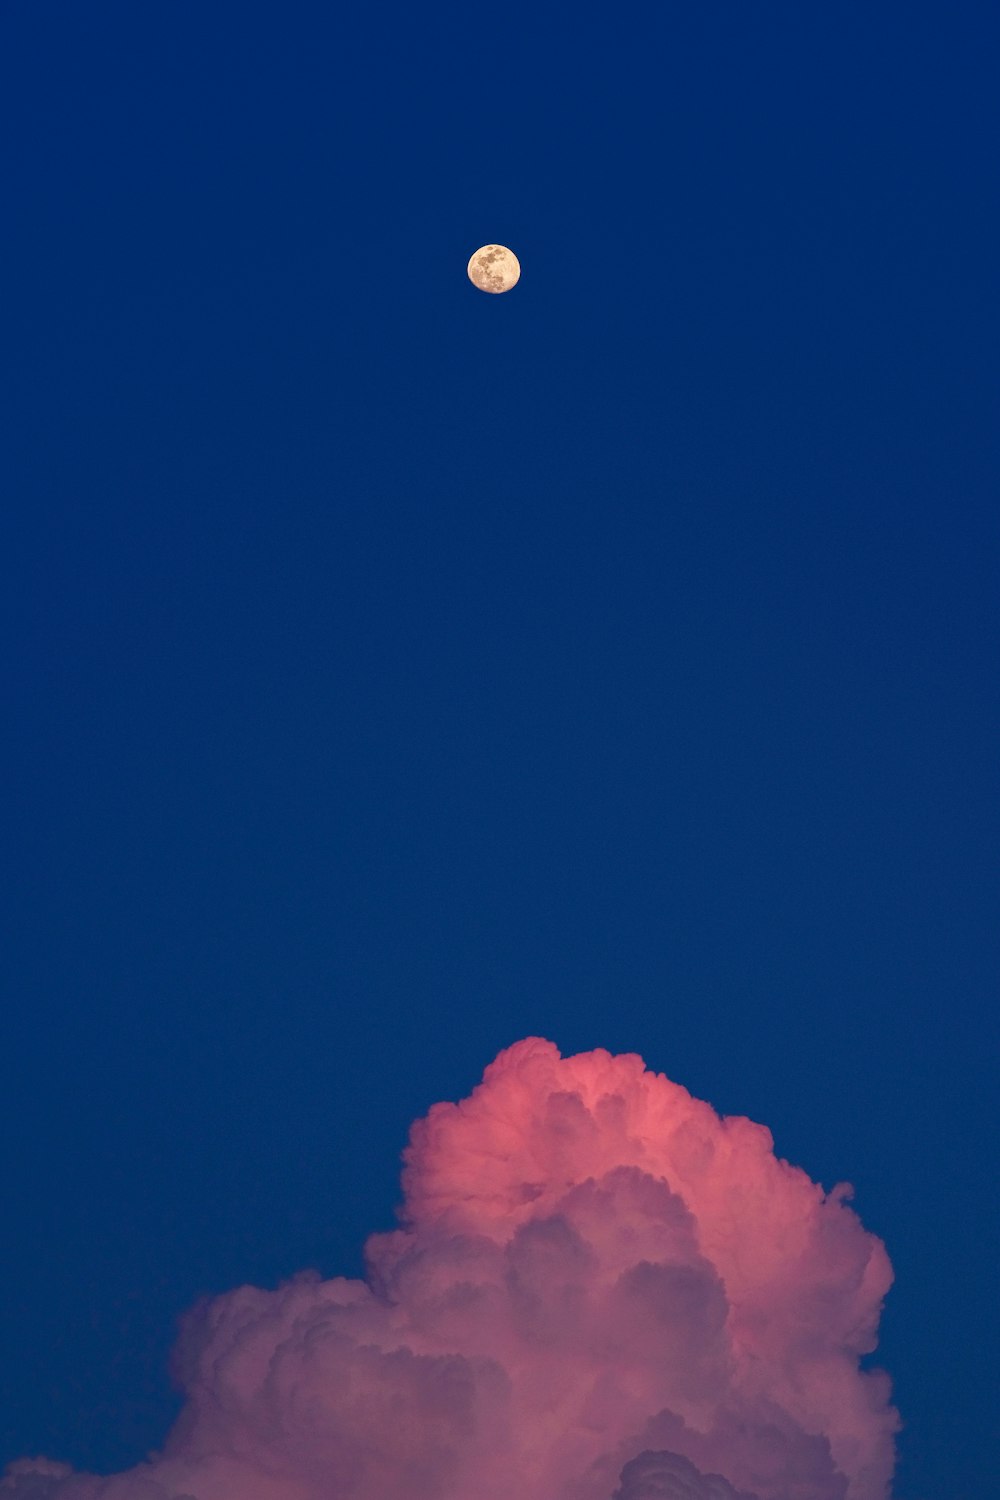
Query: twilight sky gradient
x,y
394,672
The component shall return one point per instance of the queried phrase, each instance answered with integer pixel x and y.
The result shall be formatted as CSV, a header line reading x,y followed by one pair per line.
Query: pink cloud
x,y
599,1289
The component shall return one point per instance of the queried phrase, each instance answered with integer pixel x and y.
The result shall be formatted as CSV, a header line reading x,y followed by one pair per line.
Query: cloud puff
x,y
668,1476
598,1289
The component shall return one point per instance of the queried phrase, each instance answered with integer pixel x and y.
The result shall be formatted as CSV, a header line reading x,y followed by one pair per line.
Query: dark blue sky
x,y
392,671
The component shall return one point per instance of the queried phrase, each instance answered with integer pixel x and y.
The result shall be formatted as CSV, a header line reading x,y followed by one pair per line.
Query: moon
x,y
494,268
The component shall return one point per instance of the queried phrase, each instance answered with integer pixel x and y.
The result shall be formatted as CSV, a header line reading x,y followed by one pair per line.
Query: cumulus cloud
x,y
599,1290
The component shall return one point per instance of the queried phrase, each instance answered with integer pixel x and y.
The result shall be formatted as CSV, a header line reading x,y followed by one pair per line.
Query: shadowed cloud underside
x,y
599,1289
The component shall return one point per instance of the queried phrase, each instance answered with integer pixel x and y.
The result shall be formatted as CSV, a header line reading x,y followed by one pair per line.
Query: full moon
x,y
494,268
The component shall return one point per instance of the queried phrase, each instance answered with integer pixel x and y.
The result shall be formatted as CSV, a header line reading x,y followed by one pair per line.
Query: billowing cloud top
x,y
600,1290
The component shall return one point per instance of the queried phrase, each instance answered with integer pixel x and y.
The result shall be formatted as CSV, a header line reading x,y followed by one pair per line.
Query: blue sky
x,y
393,671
